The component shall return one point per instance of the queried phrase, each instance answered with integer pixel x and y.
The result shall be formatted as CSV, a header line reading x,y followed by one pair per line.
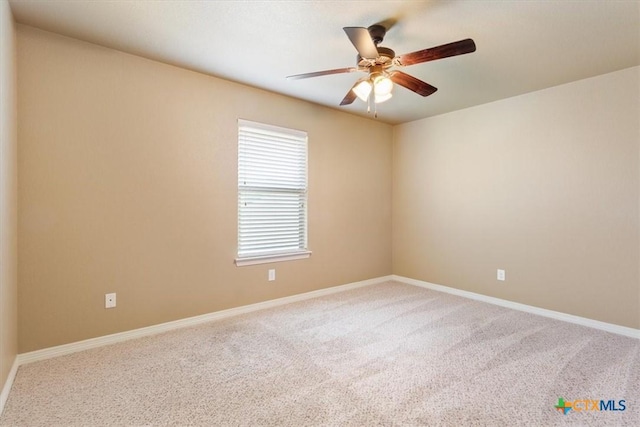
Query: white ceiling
x,y
522,46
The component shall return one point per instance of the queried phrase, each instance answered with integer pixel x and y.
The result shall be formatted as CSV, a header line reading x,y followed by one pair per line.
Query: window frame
x,y
274,255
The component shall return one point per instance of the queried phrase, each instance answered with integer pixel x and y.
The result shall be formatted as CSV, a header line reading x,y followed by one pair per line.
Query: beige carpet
x,y
389,354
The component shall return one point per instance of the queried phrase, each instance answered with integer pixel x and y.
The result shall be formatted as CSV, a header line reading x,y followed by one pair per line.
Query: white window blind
x,y
272,191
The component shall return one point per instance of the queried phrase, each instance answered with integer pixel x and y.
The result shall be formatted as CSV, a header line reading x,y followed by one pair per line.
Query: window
x,y
272,194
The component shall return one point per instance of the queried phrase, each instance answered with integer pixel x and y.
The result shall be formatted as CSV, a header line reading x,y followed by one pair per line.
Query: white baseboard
x,y
596,324
61,350
4,395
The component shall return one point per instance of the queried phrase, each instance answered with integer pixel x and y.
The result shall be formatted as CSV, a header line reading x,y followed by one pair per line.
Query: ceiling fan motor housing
x,y
377,33
385,56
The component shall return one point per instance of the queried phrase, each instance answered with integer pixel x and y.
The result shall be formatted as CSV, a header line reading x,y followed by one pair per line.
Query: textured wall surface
x,y
544,185
8,193
127,172
127,184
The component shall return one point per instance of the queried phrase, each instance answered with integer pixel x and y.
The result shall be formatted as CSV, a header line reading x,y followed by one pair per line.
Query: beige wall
x,y
127,184
544,185
127,174
8,196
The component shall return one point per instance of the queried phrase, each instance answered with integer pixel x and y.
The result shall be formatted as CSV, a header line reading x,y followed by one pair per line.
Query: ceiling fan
x,y
378,62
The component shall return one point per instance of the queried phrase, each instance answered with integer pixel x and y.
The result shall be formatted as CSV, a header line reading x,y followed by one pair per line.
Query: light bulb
x,y
362,90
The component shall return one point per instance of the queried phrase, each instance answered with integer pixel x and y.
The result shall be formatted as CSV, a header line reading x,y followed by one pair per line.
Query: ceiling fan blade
x,y
322,73
362,41
350,96
411,83
444,51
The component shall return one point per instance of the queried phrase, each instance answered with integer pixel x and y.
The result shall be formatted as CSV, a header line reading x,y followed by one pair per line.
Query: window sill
x,y
265,259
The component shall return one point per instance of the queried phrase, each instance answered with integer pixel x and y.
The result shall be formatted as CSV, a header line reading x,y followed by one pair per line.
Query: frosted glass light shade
x,y
382,98
382,86
362,90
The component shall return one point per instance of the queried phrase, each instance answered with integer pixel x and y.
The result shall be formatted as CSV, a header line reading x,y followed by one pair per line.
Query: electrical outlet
x,y
110,300
272,274
501,275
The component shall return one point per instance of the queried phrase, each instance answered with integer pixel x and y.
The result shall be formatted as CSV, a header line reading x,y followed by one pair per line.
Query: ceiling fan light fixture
x,y
382,86
382,98
363,90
